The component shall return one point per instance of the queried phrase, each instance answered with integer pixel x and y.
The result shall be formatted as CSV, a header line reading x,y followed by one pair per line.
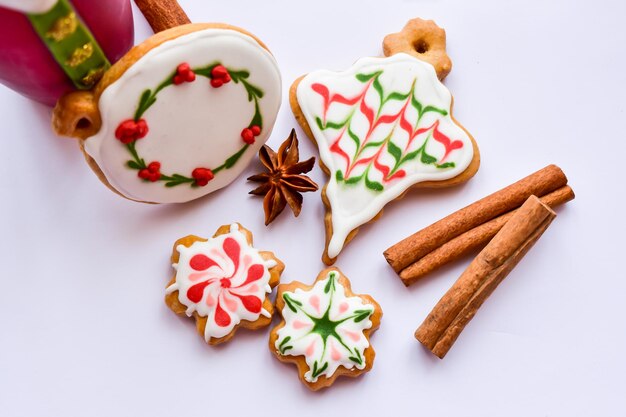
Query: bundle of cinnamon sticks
x,y
508,222
474,226
459,305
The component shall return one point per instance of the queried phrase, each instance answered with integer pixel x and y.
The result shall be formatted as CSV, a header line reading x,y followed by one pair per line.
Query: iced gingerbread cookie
x,y
50,47
325,329
180,115
223,283
383,126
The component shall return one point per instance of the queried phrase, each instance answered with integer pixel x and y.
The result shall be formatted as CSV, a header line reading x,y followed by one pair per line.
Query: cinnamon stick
x,y
459,305
426,240
162,14
471,240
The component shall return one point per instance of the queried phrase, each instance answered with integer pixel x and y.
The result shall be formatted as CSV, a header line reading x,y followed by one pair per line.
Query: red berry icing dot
x,y
152,173
202,176
219,76
130,130
249,134
220,71
184,74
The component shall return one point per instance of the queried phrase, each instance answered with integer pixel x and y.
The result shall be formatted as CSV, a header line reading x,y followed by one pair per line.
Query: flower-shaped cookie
x,y
325,329
223,282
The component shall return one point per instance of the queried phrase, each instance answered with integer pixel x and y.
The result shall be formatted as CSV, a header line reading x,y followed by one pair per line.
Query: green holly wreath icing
x,y
130,131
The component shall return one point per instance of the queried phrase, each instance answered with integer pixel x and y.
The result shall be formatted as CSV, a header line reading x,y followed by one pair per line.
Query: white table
x,y
85,331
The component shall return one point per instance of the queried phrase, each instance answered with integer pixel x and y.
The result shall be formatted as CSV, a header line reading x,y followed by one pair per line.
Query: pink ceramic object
x,y
27,66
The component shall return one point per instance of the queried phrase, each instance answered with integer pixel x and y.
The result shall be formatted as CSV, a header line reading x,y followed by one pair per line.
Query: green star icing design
x,y
323,326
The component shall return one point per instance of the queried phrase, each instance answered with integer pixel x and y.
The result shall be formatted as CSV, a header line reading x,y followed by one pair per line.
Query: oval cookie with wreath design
x,y
180,116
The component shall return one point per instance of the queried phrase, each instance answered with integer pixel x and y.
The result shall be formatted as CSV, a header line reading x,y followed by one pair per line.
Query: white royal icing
x,y
353,205
223,279
327,301
190,125
29,6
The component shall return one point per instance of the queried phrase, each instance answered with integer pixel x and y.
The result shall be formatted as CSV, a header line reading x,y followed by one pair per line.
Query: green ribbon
x,y
72,44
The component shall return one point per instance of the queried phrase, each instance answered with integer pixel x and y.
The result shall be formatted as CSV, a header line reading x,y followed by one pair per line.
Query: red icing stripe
x,y
382,168
196,291
399,174
232,249
443,139
337,149
250,302
222,318
322,90
368,112
201,262
255,273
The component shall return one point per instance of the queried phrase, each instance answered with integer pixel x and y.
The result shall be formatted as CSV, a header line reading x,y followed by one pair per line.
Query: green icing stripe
x,y
72,44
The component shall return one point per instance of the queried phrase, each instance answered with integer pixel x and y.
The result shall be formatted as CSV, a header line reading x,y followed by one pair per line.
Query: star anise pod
x,y
283,182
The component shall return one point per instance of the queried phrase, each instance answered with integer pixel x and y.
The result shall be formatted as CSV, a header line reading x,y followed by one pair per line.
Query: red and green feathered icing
x,y
381,126
375,119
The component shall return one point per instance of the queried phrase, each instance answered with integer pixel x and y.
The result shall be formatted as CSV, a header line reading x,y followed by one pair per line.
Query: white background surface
x,y
85,331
